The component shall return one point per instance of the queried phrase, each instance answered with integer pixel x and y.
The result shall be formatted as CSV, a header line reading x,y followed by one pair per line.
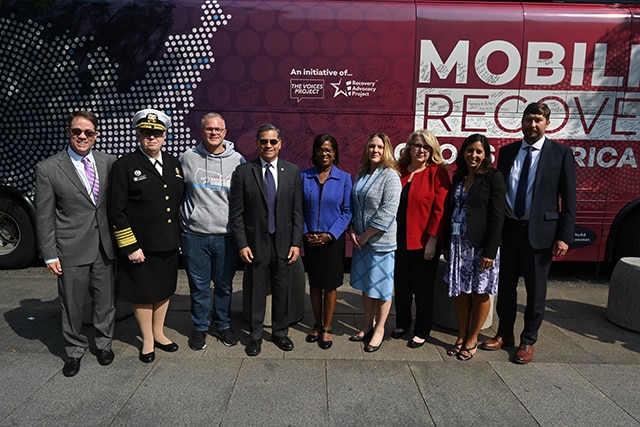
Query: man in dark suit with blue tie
x,y
267,222
75,239
539,224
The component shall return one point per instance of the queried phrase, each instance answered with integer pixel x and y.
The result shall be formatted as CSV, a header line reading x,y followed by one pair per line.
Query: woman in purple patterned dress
x,y
477,214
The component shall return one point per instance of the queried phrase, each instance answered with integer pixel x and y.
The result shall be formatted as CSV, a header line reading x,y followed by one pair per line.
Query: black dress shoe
x,y
170,348
105,357
147,358
283,343
253,348
71,366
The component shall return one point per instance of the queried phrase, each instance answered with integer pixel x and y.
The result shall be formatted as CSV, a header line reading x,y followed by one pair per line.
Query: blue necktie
x,y
270,189
521,193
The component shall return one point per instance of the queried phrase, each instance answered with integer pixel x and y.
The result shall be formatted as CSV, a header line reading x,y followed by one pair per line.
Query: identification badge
x,y
455,228
139,178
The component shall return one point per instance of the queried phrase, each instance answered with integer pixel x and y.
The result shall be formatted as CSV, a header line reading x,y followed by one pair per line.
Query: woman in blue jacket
x,y
327,213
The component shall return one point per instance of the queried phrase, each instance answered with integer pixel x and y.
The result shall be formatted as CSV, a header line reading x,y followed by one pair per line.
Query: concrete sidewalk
x,y
586,371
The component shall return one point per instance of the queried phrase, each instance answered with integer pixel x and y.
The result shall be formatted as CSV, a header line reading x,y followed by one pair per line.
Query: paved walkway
x,y
586,371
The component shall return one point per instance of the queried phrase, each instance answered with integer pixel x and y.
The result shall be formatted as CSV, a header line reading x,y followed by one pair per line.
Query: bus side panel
x,y
576,58
584,77
308,67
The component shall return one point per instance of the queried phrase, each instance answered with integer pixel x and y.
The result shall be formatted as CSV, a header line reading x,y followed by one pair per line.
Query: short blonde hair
x,y
388,160
430,139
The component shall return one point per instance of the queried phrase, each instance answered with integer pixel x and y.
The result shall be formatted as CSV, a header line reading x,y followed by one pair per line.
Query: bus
x,y
349,68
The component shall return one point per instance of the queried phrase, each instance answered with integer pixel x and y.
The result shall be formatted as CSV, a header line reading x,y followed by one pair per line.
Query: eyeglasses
x,y
419,147
324,151
148,133
269,141
214,130
87,133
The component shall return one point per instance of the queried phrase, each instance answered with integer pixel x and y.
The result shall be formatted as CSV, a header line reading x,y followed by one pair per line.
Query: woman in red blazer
x,y
425,184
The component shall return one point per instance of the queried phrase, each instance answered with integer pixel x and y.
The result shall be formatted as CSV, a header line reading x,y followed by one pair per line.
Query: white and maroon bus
x,y
344,67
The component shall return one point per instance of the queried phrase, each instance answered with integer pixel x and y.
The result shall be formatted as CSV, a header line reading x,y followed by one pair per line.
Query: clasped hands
x,y
317,239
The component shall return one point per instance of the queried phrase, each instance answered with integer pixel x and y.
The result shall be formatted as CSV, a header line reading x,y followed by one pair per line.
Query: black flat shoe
x,y
397,333
371,348
147,358
361,338
169,348
314,338
414,344
325,344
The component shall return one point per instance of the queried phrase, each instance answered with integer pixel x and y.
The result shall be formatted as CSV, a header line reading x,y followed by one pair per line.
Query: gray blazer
x,y
69,226
374,203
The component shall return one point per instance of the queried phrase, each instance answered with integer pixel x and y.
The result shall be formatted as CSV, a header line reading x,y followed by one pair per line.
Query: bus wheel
x,y
17,242
628,237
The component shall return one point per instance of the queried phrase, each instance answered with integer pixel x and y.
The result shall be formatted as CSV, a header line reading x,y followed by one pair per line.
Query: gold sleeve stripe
x,y
125,237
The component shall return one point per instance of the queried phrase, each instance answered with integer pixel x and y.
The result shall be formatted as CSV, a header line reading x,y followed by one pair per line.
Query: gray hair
x,y
267,127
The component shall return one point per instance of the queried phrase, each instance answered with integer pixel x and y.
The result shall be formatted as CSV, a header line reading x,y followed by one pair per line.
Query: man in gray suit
x,y
267,223
74,237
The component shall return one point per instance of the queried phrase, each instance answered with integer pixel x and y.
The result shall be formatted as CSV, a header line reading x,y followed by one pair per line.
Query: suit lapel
x,y
67,167
545,154
257,175
103,176
281,177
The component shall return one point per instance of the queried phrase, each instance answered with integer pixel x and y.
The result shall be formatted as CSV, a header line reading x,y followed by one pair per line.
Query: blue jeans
x,y
210,258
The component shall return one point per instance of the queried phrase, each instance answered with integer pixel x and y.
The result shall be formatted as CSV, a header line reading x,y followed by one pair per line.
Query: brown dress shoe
x,y
497,342
524,354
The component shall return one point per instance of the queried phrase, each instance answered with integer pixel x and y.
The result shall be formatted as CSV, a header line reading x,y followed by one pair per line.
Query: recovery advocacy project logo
x,y
314,88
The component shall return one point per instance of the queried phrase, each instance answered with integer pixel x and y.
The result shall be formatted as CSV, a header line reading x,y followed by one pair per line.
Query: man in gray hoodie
x,y
208,247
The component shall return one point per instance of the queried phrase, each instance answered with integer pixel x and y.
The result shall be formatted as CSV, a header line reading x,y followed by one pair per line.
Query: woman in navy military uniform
x,y
146,191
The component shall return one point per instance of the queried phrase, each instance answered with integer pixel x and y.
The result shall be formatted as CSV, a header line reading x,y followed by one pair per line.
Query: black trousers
x,y
414,279
518,258
274,275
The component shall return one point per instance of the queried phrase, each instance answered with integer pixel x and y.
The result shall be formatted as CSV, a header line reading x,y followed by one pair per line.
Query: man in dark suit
x,y
267,222
539,224
75,239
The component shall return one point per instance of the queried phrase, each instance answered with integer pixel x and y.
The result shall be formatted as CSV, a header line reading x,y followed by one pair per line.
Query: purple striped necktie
x,y
270,189
92,177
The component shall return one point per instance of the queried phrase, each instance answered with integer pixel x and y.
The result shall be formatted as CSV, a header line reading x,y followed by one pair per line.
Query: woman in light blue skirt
x,y
374,203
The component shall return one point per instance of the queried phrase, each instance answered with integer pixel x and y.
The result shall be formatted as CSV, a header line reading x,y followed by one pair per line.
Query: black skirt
x,y
151,281
325,264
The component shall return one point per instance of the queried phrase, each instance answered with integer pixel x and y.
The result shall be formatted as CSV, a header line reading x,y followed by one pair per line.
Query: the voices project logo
x,y
315,88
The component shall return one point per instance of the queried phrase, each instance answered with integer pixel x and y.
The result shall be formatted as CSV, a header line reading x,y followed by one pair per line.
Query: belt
x,y
518,222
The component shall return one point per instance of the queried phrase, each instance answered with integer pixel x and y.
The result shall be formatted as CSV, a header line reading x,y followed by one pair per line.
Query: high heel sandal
x,y
313,338
454,349
325,344
468,351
